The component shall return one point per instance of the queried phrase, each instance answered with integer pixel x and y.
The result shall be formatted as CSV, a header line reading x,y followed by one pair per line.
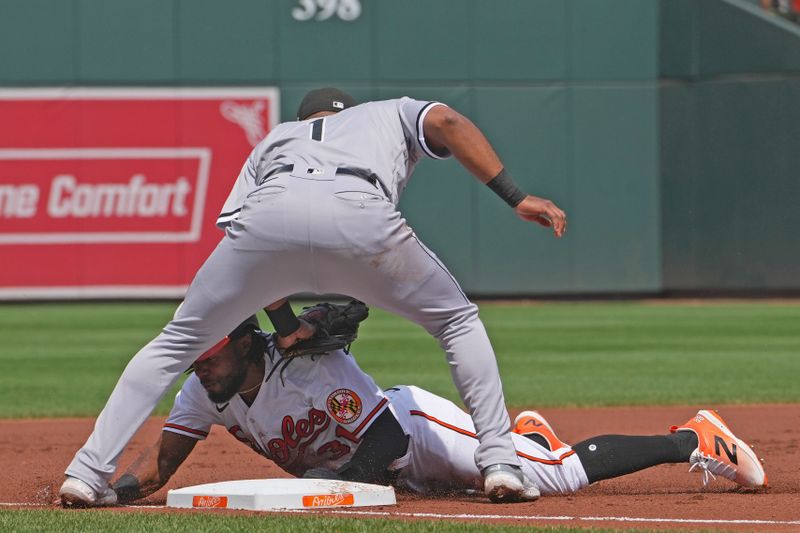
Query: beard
x,y
228,386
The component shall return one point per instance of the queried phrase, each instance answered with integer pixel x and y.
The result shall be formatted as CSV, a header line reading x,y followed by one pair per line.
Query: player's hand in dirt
x,y
543,212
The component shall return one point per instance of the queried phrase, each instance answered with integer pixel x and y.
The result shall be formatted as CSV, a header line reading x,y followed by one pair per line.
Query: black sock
x,y
610,456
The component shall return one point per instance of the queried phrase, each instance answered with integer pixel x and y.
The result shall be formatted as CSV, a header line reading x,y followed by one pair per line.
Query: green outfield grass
x,y
63,359
100,521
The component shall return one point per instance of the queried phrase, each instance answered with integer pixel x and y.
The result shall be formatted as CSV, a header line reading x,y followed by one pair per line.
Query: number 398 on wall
x,y
347,10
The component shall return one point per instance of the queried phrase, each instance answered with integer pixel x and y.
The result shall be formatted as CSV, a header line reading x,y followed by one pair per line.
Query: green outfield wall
x,y
730,132
666,129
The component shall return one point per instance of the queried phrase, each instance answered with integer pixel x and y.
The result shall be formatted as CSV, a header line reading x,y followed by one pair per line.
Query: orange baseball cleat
x,y
533,423
721,453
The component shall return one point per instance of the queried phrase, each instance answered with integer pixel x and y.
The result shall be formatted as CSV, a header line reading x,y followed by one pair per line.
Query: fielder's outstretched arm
x,y
448,130
154,466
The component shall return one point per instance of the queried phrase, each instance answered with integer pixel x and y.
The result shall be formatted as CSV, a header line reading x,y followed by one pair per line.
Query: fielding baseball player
x,y
325,418
314,209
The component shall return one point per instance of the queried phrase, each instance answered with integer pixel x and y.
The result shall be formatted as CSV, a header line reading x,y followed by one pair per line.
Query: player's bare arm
x,y
448,130
154,466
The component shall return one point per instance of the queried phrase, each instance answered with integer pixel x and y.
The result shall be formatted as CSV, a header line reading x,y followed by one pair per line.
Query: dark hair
x,y
258,345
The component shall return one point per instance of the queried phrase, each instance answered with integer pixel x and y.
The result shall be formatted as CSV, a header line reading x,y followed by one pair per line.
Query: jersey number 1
x,y
317,129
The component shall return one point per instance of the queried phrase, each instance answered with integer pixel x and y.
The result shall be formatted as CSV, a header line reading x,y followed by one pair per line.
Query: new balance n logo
x,y
730,452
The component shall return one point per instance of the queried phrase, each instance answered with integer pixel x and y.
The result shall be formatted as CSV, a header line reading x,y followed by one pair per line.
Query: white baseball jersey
x,y
316,419
320,412
349,139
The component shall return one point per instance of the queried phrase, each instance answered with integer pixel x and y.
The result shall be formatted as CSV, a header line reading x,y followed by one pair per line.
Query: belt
x,y
372,178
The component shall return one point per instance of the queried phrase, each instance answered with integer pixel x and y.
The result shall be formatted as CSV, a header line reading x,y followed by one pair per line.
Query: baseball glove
x,y
336,328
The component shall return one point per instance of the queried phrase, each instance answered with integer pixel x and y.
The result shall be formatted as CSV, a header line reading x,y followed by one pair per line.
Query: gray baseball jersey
x,y
381,138
308,215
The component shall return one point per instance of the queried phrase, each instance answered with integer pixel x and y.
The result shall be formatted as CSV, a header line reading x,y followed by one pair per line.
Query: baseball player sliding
x,y
314,209
323,417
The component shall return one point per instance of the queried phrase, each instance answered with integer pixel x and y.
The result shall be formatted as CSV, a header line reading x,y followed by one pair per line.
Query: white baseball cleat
x,y
76,493
507,484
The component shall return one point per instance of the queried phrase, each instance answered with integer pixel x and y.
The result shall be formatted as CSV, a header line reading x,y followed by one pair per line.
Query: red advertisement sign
x,y
114,192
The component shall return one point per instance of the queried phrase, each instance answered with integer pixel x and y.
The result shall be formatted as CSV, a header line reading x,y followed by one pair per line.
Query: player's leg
x,y
231,285
555,471
609,456
408,279
705,441
363,248
443,442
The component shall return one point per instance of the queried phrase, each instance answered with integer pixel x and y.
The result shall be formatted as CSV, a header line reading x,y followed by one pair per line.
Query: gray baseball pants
x,y
293,235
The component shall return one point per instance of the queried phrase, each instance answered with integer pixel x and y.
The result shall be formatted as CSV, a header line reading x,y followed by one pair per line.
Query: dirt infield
x,y
34,453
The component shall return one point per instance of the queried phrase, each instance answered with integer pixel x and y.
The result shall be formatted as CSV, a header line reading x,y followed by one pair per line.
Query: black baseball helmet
x,y
325,99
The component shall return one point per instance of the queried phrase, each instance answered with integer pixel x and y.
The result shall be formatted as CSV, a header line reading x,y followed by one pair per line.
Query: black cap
x,y
325,99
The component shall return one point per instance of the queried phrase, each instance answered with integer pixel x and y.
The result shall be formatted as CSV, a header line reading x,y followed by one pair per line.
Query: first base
x,y
277,494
